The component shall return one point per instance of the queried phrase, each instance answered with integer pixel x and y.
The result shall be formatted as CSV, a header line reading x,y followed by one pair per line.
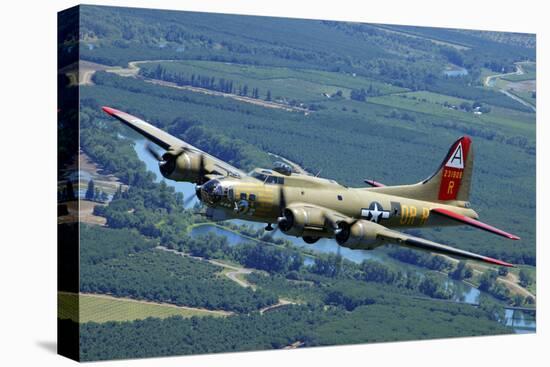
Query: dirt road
x,y
133,71
508,281
282,302
490,80
254,101
232,274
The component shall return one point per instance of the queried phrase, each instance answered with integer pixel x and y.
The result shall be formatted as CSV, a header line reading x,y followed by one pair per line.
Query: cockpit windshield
x,y
268,178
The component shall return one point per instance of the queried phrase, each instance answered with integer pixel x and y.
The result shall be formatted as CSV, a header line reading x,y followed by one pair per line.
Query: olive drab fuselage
x,y
258,199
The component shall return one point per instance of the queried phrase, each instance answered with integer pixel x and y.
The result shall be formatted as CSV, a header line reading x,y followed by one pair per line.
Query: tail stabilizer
x,y
449,183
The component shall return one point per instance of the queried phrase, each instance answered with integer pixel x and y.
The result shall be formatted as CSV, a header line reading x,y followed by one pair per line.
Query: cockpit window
x,y
258,176
268,179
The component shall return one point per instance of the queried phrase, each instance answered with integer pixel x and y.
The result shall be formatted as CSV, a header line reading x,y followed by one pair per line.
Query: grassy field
x,y
100,308
284,83
532,271
529,73
432,104
525,95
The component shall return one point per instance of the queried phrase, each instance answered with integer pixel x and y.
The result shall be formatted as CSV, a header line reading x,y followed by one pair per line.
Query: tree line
x,y
203,81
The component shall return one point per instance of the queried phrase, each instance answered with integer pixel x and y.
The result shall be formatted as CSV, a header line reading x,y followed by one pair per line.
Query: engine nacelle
x,y
303,220
181,166
360,235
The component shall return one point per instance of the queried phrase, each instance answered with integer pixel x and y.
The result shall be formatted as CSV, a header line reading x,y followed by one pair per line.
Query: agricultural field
x,y
102,308
448,107
529,73
520,85
283,83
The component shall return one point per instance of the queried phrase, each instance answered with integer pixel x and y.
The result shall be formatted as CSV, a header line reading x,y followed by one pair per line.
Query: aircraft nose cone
x,y
211,192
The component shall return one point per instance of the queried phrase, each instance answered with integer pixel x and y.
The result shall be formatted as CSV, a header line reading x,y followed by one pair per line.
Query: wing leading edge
x,y
166,141
152,133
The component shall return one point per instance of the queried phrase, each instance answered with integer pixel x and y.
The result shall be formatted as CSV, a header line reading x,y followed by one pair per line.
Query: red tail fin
x,y
449,183
453,169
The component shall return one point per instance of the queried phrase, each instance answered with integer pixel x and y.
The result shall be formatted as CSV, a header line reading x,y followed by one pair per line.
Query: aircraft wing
x,y
407,240
213,166
473,222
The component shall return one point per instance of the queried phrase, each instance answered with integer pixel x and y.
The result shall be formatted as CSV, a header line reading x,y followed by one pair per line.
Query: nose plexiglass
x,y
212,191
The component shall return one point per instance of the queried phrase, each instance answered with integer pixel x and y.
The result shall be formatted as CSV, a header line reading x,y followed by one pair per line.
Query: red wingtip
x,y
474,223
109,110
498,262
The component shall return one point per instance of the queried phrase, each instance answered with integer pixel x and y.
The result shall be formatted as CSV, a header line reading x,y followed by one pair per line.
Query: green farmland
x,y
101,308
284,83
431,103
529,73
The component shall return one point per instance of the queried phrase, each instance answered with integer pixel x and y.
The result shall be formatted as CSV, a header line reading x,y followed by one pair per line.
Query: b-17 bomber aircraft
x,y
311,207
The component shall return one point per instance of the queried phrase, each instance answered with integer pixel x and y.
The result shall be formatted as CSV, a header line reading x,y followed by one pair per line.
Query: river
x,y
455,71
462,292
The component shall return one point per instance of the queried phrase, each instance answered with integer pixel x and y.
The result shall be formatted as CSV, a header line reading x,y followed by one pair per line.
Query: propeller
x,y
154,153
283,220
340,258
202,170
162,161
273,231
196,194
188,200
282,199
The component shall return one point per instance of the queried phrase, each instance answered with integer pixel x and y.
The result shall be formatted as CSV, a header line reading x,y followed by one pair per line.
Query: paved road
x,y
490,82
516,98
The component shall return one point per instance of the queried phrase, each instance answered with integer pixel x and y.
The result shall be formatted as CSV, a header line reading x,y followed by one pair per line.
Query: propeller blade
x,y
188,200
271,234
202,170
154,153
339,258
282,199
274,231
